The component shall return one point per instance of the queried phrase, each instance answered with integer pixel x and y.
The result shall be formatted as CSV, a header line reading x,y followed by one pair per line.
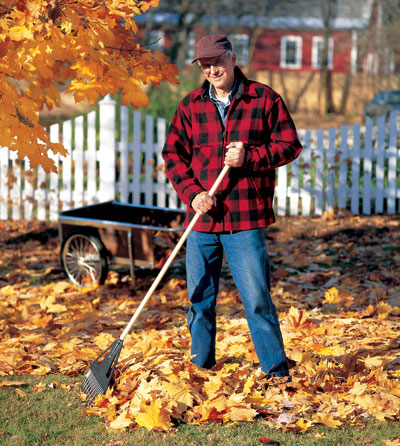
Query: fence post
x,y
367,169
342,195
161,176
306,189
54,191
319,173
40,194
137,156
4,151
281,190
15,191
380,165
28,193
149,166
330,176
124,158
392,163
66,193
107,149
355,170
78,158
91,159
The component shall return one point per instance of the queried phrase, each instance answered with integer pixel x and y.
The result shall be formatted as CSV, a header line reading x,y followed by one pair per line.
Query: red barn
x,y
289,38
281,42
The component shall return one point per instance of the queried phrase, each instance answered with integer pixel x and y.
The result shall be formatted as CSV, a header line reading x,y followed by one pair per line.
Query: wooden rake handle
x,y
172,256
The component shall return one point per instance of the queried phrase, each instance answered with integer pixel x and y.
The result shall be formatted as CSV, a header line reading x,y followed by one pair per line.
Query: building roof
x,y
279,14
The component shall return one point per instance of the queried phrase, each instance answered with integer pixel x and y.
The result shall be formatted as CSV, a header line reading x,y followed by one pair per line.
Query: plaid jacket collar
x,y
246,88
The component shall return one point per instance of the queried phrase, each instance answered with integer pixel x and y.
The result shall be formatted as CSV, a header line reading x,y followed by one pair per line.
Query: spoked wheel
x,y
84,259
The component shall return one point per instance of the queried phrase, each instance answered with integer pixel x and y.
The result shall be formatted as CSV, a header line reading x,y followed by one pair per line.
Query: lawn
x,y
337,290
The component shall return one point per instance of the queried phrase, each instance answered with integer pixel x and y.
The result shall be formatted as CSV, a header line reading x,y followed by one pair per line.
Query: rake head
x,y
100,372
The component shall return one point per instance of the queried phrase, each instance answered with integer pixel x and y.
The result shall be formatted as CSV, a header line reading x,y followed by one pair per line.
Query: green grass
x,y
55,417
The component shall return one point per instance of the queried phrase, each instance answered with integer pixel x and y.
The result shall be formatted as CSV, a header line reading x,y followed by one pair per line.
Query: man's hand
x,y
235,155
202,203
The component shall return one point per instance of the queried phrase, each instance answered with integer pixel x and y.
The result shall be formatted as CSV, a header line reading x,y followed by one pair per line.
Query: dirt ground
x,y
320,251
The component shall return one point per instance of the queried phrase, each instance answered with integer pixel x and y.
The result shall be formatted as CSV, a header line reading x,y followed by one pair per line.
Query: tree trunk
x,y
345,94
328,13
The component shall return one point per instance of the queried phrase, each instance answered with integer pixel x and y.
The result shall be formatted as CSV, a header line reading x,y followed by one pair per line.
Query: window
x,y
155,40
291,52
240,44
317,49
189,48
394,98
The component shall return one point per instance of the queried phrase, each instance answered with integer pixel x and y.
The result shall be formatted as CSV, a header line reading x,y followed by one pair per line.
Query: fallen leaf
x,y
12,383
21,393
153,416
122,421
327,419
265,440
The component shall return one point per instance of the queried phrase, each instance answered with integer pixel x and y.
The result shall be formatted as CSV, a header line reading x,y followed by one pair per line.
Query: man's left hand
x,y
235,154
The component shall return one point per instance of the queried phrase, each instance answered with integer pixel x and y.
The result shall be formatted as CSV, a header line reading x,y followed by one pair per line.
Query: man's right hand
x,y
202,203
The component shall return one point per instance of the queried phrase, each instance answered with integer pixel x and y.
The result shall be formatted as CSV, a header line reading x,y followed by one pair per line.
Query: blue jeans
x,y
248,260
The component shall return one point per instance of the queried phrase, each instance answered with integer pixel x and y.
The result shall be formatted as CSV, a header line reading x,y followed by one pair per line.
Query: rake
x,y
98,377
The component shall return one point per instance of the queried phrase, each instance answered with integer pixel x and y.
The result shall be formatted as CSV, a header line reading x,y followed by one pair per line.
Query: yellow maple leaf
x,y
327,419
366,401
7,383
338,297
213,385
122,421
384,415
58,287
241,413
181,393
395,442
304,425
373,361
153,415
103,340
248,385
19,33
49,304
383,310
358,388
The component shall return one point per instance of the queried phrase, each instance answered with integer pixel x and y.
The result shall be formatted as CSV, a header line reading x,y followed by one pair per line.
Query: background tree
x,y
88,45
328,14
387,42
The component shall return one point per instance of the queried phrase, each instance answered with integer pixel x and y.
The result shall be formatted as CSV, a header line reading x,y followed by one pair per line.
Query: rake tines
x,y
99,375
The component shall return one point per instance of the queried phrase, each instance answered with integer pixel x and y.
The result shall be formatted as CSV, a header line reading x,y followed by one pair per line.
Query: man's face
x,y
219,71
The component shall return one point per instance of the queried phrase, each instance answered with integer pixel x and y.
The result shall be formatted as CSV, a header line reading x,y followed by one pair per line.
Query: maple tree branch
x,y
6,10
23,118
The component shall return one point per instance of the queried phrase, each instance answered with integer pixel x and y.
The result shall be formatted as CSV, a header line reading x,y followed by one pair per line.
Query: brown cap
x,y
212,45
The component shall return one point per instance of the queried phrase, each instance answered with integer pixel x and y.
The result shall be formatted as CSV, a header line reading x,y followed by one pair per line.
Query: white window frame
x,y
316,41
299,51
240,44
156,40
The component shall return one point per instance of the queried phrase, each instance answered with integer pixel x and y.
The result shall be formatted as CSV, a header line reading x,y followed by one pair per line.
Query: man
x,y
232,121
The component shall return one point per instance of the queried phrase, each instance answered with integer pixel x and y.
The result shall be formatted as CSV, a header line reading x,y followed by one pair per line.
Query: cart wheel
x,y
84,259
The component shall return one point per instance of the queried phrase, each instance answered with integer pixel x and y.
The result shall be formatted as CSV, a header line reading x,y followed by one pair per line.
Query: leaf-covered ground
x,y
336,286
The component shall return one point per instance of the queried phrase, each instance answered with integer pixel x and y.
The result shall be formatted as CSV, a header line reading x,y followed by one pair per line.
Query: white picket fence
x,y
354,168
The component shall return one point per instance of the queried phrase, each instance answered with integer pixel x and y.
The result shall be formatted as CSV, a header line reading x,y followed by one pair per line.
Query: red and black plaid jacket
x,y
195,146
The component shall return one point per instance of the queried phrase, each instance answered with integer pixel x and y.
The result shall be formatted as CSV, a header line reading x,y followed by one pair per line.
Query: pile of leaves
x,y
336,287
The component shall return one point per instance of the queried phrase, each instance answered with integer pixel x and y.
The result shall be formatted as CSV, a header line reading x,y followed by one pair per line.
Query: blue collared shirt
x,y
223,107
